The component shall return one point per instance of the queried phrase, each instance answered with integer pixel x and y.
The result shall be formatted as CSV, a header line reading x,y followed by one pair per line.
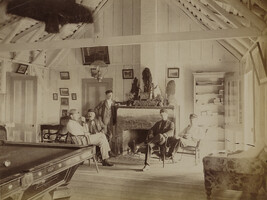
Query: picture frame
x,y
127,74
22,69
64,91
64,75
55,96
73,96
64,101
64,112
92,54
173,72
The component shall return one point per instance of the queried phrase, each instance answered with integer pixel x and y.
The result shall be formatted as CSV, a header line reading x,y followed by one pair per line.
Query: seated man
x,y
188,137
98,139
158,134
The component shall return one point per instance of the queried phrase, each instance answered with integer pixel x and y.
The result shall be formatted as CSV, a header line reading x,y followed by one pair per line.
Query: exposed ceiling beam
x,y
25,32
135,39
175,4
218,20
63,52
248,14
262,4
33,38
12,33
211,24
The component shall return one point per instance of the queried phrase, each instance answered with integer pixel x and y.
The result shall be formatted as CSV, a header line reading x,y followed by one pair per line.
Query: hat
x,y
192,116
163,110
73,111
91,110
109,91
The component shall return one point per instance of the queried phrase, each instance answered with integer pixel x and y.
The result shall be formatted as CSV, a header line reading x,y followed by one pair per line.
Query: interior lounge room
x,y
133,99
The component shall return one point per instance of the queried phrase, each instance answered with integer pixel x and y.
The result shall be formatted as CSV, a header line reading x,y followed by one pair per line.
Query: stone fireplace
x,y
132,122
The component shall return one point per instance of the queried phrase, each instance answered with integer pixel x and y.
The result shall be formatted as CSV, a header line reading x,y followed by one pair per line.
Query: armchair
x,y
235,173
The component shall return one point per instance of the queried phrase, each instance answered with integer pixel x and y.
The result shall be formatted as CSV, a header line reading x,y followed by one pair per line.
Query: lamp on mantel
x,y
99,70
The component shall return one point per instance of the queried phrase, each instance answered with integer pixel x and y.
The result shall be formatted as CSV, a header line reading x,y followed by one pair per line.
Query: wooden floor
x,y
126,181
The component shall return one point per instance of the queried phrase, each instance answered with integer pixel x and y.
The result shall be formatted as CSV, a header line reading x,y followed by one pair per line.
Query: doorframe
x,y
9,76
92,80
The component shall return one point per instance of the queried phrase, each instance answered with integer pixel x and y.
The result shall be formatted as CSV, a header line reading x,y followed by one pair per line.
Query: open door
x,y
93,92
21,107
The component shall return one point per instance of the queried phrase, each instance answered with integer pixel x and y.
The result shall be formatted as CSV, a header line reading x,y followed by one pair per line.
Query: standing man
x,y
106,113
98,139
158,135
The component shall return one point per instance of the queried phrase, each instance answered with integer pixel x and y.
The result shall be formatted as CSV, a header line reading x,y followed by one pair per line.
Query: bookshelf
x,y
209,106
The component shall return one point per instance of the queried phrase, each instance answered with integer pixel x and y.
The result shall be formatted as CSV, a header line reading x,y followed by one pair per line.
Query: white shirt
x,y
109,102
75,128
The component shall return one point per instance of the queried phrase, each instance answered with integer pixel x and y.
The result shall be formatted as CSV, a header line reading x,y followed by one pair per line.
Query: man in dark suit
x,y
105,111
158,135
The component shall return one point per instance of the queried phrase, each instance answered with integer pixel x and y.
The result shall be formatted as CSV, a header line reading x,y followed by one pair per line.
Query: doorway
x,y
21,107
93,92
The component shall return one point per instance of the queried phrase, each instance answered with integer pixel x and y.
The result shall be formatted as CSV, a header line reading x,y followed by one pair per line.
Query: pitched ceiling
x,y
209,14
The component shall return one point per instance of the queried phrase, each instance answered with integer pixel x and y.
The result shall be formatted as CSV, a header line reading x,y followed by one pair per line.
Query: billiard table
x,y
32,170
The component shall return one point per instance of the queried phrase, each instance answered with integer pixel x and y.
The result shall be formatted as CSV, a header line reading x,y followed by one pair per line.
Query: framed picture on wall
x,y
64,75
64,101
64,91
127,74
22,69
55,96
173,72
64,113
73,96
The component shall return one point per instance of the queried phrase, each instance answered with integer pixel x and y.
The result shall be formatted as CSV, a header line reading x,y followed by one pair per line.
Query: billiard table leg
x,y
95,161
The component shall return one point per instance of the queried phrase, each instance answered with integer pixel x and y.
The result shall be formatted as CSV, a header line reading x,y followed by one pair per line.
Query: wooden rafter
x,y
13,32
212,26
262,4
27,31
245,42
136,39
63,52
33,38
173,4
253,18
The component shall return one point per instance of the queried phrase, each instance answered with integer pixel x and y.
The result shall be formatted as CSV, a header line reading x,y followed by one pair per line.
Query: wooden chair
x,y
3,133
190,150
161,150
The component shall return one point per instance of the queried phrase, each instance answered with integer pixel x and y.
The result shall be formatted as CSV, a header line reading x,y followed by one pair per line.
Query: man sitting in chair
x,y
98,138
158,135
188,137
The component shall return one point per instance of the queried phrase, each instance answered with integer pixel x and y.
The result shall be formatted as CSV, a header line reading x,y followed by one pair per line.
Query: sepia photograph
x,y
127,74
64,91
133,99
64,75
22,69
64,101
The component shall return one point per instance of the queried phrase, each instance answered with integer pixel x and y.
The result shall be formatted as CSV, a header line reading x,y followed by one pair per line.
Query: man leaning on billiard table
x,y
98,139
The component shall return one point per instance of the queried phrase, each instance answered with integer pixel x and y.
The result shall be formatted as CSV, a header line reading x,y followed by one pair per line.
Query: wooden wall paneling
x,y
117,30
127,29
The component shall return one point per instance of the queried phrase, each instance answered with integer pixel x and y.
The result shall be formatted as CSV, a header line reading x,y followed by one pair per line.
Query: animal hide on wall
x,y
52,12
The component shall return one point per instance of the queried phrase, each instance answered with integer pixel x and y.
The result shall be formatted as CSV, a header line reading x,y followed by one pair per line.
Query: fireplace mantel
x,y
136,118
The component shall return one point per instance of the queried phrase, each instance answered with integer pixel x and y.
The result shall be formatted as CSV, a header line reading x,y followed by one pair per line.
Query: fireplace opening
x,y
133,138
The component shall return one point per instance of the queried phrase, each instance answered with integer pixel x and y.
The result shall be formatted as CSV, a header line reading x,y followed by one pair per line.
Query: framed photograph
x,y
64,101
64,75
92,54
73,96
64,113
173,72
64,91
127,74
55,96
22,69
